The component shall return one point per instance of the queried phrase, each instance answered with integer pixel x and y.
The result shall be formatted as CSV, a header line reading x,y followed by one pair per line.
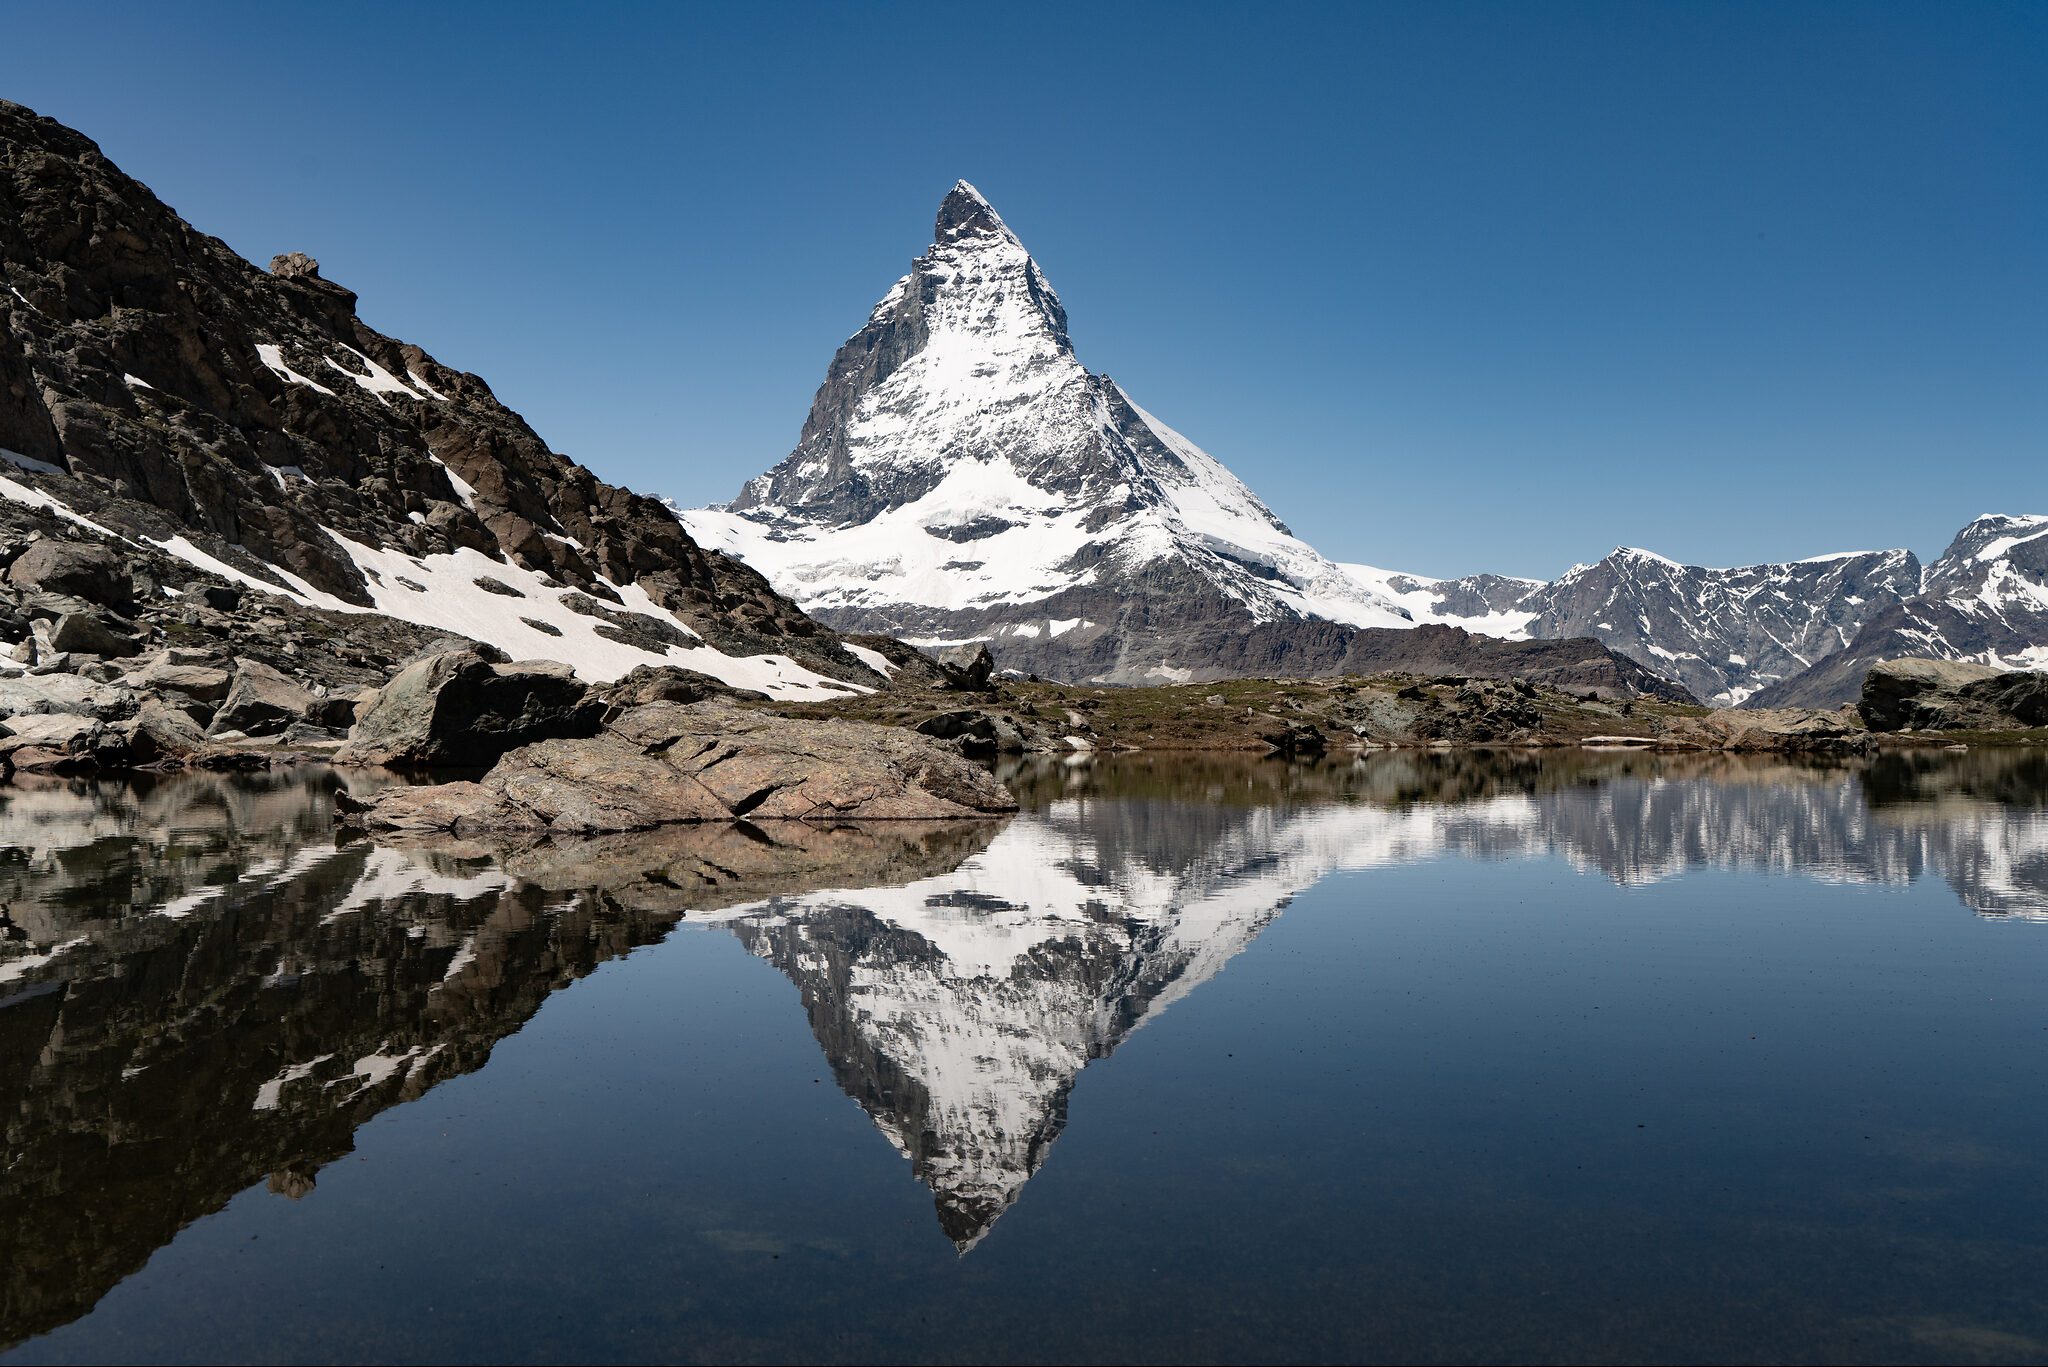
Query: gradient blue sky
x,y
1454,287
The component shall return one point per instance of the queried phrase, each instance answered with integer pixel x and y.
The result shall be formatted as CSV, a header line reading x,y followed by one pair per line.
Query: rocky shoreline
x,y
456,706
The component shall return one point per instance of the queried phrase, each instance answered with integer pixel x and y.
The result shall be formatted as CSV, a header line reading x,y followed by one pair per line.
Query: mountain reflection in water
x,y
201,990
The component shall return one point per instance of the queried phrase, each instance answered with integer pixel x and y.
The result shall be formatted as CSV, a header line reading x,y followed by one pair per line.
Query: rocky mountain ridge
x,y
165,395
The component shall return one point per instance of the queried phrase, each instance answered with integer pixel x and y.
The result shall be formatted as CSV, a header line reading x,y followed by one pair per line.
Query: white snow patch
x,y
30,463
424,387
873,659
272,356
375,379
269,1094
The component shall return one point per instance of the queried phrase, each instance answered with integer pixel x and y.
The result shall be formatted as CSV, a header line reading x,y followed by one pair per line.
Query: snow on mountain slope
x,y
1984,601
528,615
1723,633
962,475
1490,604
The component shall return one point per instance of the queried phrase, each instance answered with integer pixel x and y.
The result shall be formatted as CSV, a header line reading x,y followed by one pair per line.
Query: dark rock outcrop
x,y
459,709
261,701
1915,694
76,568
967,667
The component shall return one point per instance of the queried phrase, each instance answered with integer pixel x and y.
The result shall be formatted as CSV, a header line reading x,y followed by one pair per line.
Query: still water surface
x,y
1426,1057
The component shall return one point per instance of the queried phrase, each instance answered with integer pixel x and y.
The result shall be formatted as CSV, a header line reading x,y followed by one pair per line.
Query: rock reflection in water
x,y
203,990
200,990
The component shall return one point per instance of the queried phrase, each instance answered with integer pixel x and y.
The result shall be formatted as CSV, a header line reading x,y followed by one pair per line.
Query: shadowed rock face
x,y
156,381
1945,695
200,990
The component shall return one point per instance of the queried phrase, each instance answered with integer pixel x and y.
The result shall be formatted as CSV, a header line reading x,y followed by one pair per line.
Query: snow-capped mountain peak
x,y
962,475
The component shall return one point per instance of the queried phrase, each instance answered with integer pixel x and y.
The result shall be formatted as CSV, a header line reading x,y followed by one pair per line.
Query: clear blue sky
x,y
1453,287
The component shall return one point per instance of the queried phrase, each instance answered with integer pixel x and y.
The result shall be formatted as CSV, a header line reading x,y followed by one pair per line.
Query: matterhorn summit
x,y
963,476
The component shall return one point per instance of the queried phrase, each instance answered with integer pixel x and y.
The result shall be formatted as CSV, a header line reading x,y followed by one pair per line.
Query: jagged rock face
x,y
155,379
1984,601
963,476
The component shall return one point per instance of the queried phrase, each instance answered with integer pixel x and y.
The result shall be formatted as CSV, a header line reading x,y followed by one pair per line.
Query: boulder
x,y
1291,739
84,633
976,732
1786,730
50,742
220,597
663,763
43,694
967,667
159,735
260,702
2021,695
458,708
199,682
664,683
80,569
334,711
434,807
1915,694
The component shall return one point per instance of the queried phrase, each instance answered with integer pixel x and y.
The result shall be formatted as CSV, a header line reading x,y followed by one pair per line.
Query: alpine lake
x,y
1419,1056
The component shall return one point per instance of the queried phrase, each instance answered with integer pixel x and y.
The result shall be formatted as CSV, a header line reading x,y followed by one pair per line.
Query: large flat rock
x,y
665,763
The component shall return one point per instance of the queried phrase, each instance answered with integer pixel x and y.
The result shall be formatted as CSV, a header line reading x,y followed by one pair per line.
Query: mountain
x,y
1797,634
962,476
161,392
1723,633
1984,600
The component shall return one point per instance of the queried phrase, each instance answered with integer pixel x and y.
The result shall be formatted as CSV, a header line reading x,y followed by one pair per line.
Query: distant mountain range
x,y
962,476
